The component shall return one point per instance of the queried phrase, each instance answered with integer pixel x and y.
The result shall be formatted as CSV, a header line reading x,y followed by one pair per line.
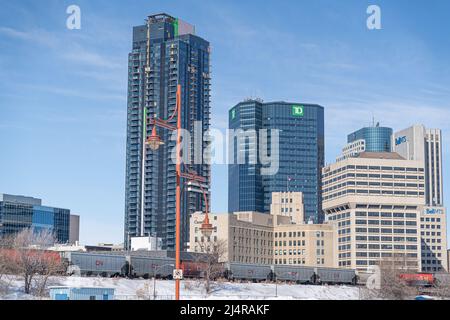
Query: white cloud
x,y
35,35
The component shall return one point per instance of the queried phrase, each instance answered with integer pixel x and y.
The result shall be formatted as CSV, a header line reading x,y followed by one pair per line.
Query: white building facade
x,y
422,144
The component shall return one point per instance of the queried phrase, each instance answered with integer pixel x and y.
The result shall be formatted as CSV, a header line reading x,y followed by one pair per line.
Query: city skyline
x,y
60,133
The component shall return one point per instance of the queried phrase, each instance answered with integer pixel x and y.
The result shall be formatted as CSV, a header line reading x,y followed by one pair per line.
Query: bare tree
x,y
26,255
392,285
441,287
211,259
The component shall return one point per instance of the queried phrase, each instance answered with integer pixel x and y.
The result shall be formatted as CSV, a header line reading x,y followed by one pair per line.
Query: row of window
x,y
294,234
373,192
373,176
374,184
382,168
384,230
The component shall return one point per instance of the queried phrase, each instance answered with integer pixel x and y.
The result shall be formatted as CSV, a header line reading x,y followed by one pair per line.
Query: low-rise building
x,y
81,293
280,237
19,212
247,237
305,244
148,243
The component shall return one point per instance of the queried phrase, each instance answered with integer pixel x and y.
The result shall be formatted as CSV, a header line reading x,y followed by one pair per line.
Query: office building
x,y
298,153
375,202
433,235
288,204
246,236
420,143
19,212
259,238
74,231
352,149
165,53
305,244
376,138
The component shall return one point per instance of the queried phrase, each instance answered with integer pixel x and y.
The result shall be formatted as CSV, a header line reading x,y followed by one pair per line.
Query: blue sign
x,y
400,140
433,211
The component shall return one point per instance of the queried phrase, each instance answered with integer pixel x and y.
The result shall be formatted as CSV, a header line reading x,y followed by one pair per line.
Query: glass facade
x,y
377,139
165,53
16,216
301,156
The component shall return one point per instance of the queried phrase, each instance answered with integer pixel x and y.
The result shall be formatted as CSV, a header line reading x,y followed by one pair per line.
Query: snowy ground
x,y
143,289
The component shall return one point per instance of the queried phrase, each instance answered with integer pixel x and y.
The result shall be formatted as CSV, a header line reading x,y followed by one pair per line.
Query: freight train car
x,y
149,267
100,264
193,269
418,279
335,276
248,272
297,274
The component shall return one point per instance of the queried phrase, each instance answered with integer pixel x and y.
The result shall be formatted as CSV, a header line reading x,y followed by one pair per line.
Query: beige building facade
x,y
247,237
375,201
280,237
433,234
305,244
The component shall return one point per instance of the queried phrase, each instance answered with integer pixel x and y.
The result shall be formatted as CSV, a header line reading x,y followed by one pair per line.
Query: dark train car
x,y
248,272
297,274
193,269
335,276
100,264
149,267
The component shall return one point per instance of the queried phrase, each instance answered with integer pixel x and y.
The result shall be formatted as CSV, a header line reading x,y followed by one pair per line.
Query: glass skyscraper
x,y
19,212
301,155
377,139
166,52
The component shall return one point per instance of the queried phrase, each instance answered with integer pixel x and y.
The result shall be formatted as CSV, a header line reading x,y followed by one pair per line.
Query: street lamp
x,y
206,228
154,142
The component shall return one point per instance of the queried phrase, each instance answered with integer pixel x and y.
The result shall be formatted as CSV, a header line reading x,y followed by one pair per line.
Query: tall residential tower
x,y
165,53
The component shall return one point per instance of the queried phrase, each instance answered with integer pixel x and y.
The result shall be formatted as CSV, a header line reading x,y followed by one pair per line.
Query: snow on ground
x,y
127,289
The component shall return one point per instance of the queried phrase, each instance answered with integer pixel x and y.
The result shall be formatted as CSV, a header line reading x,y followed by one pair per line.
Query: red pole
x,y
178,193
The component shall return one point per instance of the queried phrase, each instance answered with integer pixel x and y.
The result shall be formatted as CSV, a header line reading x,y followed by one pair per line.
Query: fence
x,y
202,297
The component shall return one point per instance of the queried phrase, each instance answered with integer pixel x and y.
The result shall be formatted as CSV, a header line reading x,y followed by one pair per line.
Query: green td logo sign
x,y
233,114
298,111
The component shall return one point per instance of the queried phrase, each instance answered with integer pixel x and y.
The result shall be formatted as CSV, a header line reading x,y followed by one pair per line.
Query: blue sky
x,y
63,92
